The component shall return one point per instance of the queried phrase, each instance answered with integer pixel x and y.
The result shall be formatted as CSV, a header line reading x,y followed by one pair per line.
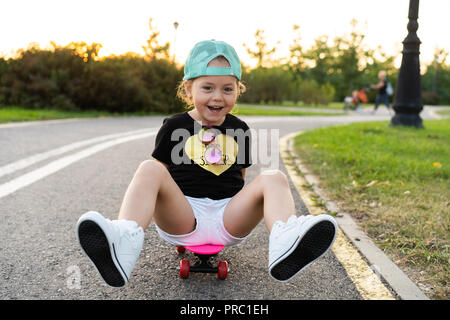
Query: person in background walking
x,y
382,95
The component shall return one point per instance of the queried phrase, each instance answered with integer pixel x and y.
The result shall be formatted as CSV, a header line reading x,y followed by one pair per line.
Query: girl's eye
x,y
229,89
207,88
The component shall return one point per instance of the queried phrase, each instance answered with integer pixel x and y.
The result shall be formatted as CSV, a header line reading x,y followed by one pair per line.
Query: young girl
x,y
194,189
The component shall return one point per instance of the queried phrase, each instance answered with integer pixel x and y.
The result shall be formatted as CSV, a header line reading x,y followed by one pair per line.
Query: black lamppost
x,y
175,25
408,96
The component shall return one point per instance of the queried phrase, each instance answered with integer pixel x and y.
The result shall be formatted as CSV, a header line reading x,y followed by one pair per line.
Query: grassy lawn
x,y
13,113
254,110
395,182
445,112
332,105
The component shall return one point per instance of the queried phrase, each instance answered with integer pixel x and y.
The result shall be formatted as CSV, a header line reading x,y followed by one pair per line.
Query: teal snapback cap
x,y
203,52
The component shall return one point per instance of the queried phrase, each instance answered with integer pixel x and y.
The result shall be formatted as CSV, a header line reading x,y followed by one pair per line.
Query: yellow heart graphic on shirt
x,y
195,150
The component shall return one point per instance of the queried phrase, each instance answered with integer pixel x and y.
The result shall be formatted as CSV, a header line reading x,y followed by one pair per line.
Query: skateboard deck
x,y
205,249
204,253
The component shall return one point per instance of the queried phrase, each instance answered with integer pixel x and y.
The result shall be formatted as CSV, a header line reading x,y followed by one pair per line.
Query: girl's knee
x,y
272,177
151,167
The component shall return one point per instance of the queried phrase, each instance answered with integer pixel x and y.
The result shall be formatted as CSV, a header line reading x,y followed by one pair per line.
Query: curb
x,y
384,267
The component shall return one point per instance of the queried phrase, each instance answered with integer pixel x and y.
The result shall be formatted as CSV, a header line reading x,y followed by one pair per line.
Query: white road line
x,y
54,166
35,175
26,162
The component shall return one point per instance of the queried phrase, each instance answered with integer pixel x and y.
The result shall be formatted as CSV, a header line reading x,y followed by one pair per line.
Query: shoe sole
x,y
96,246
312,245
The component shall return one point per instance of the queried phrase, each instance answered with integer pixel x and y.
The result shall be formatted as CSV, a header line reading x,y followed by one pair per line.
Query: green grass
x,y
332,105
445,112
14,113
395,182
242,110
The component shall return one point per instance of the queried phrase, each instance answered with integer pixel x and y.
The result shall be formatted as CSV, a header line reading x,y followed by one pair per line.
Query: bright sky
x,y
122,25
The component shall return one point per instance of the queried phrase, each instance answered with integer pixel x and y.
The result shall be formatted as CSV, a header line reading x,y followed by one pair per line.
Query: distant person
x,y
382,95
354,102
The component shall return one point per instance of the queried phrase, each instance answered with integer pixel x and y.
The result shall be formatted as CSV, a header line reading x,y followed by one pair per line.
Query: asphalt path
x,y
52,172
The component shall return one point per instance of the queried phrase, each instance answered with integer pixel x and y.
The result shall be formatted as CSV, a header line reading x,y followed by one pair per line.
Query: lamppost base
x,y
407,119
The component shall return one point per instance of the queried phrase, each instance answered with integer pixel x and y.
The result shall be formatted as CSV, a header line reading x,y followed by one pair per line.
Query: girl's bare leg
x,y
268,196
153,194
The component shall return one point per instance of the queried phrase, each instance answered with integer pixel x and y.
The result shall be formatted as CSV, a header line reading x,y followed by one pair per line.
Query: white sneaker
x,y
294,245
112,246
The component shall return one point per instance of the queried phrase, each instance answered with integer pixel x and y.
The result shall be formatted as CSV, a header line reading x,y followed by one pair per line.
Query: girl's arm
x,y
165,165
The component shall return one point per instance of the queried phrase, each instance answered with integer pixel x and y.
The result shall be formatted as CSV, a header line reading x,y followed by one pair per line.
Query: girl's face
x,y
213,96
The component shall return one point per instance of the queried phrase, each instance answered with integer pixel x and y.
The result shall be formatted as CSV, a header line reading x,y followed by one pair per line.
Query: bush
x,y
312,93
64,78
430,98
41,78
440,82
326,94
309,90
268,85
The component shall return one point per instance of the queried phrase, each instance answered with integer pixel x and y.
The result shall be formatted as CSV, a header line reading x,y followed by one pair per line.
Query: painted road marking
x,y
54,166
26,162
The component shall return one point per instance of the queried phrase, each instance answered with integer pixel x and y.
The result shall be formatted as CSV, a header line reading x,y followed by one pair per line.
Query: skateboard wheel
x,y
184,269
181,249
222,270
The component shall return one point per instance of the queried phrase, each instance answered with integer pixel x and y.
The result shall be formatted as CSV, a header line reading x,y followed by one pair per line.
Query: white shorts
x,y
209,228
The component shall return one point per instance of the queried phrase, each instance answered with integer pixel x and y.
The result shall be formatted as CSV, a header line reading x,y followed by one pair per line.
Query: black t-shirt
x,y
179,146
382,89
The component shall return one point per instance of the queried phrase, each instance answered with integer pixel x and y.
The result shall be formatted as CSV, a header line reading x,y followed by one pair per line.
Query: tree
x,y
268,85
89,52
296,59
436,80
348,64
153,49
262,53
321,60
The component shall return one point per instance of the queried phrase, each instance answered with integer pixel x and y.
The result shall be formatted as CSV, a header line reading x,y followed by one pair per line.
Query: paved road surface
x,y
42,198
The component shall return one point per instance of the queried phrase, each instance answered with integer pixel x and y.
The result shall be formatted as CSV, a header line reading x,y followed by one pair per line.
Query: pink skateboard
x,y
204,252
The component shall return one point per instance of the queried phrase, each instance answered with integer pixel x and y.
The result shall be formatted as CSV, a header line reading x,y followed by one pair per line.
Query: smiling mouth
x,y
215,109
